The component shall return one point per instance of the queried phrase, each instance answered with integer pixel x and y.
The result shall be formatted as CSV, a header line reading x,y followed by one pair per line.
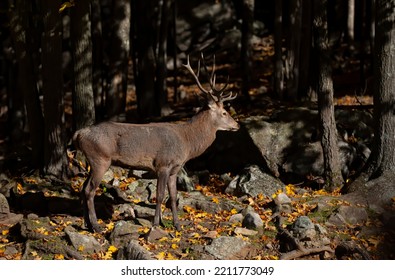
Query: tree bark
x,y
278,53
119,58
292,60
246,45
83,100
26,86
55,142
332,170
383,152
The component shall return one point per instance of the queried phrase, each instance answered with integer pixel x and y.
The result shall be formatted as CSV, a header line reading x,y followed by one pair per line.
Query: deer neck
x,y
200,133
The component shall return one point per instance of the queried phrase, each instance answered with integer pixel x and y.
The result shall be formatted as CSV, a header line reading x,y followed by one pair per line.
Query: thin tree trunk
x,y
161,68
119,58
83,100
278,44
145,55
97,60
246,45
332,170
293,56
55,141
350,20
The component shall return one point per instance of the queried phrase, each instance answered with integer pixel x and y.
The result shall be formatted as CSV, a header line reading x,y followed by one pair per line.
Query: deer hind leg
x,y
89,191
163,178
172,185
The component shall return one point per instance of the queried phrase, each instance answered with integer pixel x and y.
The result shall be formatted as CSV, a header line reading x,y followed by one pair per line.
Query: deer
x,y
162,147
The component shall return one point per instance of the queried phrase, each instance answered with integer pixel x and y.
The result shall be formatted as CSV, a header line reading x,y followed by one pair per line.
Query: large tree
x,y
83,100
55,157
381,163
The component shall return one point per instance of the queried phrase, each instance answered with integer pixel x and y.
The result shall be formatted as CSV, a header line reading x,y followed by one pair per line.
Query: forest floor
x,y
364,239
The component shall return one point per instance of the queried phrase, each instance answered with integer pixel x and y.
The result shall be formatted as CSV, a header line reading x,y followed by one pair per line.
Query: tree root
x,y
300,250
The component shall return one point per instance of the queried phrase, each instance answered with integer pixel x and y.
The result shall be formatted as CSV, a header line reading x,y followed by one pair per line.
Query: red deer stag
x,y
160,147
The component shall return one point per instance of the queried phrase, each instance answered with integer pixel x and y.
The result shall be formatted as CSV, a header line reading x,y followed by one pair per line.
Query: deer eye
x,y
224,113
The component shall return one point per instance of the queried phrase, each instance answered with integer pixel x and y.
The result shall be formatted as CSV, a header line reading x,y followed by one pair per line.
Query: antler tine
x,y
190,70
227,97
212,80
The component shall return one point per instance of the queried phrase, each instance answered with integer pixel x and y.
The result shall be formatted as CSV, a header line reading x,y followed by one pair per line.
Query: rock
x,y
245,231
348,215
199,201
155,233
184,182
125,211
84,243
253,181
6,217
123,232
226,247
304,229
252,221
283,203
144,212
134,251
236,218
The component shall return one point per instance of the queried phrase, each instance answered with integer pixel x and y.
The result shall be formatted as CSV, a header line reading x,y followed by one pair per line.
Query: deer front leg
x,y
163,177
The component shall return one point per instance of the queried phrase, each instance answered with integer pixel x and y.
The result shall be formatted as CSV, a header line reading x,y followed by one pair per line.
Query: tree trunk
x,y
292,60
97,60
145,55
161,68
119,58
332,170
246,45
278,53
304,88
20,31
383,153
83,100
55,142
350,20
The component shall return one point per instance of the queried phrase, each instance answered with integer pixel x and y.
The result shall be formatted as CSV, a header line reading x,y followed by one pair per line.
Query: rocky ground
x,y
248,216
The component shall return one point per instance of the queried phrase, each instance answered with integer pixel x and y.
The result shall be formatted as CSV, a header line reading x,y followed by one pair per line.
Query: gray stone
x,y
122,233
245,231
348,215
236,218
226,247
134,251
253,181
303,228
81,242
252,221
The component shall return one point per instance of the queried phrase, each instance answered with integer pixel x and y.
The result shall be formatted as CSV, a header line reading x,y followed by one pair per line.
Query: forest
x,y
270,123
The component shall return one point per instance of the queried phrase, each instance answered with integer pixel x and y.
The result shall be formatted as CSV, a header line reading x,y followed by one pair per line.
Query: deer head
x,y
215,97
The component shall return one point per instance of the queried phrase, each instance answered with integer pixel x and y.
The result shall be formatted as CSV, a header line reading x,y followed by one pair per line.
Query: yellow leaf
x,y
170,257
5,232
161,256
59,257
196,235
34,253
174,246
164,238
215,200
81,248
66,5
176,239
112,249
110,226
233,211
290,189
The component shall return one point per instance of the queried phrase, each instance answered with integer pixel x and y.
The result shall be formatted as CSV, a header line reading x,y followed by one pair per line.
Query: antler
x,y
216,94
